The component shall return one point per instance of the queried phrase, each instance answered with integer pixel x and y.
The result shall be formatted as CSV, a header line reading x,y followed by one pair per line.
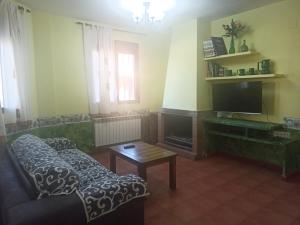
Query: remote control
x,y
129,146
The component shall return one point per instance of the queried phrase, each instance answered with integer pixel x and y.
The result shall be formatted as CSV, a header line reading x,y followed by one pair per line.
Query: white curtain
x,y
100,69
20,39
14,63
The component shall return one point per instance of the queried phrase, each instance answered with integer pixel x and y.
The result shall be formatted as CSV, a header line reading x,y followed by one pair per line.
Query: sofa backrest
x,y
80,133
22,176
12,189
50,174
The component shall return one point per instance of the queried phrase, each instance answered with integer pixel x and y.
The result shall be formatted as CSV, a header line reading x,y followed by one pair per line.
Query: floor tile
x,y
217,191
267,216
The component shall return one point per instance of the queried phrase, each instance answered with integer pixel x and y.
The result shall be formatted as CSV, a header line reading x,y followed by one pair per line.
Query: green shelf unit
x,y
265,126
279,141
253,140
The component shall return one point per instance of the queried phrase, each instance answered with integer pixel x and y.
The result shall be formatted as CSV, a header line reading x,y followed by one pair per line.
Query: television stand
x,y
253,140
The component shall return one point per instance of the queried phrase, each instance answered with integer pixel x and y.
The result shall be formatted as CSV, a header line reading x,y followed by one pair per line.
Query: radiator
x,y
115,130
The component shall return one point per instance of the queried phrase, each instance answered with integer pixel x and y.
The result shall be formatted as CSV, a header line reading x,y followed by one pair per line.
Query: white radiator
x,y
114,130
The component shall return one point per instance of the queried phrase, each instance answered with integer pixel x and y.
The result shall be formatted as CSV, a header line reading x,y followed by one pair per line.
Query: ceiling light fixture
x,y
148,11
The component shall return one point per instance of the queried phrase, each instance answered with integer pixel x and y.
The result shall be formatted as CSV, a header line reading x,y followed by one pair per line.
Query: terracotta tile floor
x,y
217,191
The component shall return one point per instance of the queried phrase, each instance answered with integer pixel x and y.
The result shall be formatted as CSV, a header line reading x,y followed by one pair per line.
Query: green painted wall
x,y
60,75
274,32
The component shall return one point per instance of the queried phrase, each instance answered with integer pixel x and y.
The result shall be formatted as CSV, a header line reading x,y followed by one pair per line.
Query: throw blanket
x,y
107,195
100,190
58,168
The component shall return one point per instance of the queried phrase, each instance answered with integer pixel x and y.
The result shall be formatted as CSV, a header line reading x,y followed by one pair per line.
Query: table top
x,y
142,152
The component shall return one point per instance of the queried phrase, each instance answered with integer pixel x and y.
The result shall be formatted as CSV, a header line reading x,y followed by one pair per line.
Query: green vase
x,y
244,47
232,48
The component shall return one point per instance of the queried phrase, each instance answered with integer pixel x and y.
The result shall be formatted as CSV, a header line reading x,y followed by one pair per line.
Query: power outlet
x,y
292,123
282,134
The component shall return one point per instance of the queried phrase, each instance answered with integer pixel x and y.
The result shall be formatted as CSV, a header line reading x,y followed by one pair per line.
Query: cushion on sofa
x,y
50,174
107,194
60,143
100,190
94,174
77,159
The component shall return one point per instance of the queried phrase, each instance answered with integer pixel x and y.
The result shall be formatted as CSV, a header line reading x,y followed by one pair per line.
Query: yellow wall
x,y
274,32
59,65
60,78
32,67
203,88
186,87
181,86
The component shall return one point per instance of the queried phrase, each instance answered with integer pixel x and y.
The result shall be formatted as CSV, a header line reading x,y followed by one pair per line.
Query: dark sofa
x,y
20,204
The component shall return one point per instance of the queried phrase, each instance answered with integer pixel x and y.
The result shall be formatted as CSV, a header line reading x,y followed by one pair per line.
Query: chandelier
x,y
148,11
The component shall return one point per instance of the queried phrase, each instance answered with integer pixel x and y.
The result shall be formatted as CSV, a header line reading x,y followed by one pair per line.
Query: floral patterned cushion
x,y
50,174
100,190
77,159
105,195
95,174
60,143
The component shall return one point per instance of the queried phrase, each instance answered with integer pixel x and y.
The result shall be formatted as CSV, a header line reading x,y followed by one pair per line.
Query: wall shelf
x,y
230,56
246,77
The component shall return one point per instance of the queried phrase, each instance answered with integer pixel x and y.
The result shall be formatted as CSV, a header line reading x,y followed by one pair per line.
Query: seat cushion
x,y
50,174
106,195
60,143
77,159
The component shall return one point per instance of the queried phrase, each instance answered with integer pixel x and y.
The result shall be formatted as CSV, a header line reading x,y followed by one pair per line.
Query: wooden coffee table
x,y
144,155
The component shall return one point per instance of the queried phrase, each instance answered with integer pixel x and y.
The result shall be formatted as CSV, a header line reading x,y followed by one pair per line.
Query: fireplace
x,y
178,131
181,131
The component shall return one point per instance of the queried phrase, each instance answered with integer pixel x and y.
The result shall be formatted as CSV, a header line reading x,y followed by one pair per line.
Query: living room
x,y
109,77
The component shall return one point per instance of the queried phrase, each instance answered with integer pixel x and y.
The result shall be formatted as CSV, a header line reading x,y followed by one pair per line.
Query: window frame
x,y
128,48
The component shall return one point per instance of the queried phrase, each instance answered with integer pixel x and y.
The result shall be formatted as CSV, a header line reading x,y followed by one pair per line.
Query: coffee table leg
x,y
113,162
142,172
172,172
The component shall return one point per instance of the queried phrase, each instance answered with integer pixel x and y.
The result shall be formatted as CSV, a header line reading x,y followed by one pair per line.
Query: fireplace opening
x,y
178,131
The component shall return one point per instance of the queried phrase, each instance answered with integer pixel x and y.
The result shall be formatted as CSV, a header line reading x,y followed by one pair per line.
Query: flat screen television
x,y
244,97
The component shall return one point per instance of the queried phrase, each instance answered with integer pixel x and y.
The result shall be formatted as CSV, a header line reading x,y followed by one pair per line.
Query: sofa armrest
x,y
68,210
61,210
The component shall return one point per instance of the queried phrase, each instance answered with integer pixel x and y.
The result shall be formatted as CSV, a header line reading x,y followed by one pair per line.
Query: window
x,y
9,95
126,69
96,71
1,88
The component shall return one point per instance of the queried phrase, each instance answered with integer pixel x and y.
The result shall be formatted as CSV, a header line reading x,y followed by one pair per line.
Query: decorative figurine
x,y
244,47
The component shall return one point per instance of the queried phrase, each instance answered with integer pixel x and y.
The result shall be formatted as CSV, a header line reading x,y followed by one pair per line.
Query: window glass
x,y
126,83
126,63
9,96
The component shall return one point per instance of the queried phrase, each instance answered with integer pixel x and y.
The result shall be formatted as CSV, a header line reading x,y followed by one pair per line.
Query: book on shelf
x,y
215,70
214,46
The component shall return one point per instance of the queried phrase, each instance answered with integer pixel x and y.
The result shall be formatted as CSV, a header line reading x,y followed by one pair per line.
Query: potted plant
x,y
232,31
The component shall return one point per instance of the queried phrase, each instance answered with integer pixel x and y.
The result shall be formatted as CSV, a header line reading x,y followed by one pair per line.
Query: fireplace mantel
x,y
198,141
181,112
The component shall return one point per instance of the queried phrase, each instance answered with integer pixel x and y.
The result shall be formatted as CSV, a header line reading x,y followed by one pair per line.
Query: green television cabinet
x,y
253,140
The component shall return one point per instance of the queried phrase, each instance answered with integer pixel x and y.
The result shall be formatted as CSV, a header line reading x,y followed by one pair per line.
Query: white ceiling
x,y
110,11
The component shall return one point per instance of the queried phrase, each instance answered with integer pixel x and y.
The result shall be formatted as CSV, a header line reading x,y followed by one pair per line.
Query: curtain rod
x,y
23,7
113,28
